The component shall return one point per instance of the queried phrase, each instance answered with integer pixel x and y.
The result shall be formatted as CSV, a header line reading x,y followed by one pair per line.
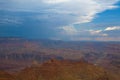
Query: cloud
x,y
72,33
105,32
68,30
79,11
84,10
59,15
55,1
97,33
112,28
10,20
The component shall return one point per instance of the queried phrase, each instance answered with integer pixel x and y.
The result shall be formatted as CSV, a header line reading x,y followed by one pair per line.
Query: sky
x,y
70,20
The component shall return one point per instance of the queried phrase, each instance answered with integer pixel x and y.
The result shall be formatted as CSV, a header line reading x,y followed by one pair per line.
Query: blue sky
x,y
94,20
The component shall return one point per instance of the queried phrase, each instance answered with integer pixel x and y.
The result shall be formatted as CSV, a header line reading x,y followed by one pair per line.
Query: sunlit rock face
x,y
65,70
6,76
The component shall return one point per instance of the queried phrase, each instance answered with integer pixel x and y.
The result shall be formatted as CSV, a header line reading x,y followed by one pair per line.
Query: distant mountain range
x,y
18,53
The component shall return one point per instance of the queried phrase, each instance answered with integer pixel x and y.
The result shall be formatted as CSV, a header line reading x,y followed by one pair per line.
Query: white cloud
x,y
69,30
83,10
112,28
55,1
104,34
97,32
